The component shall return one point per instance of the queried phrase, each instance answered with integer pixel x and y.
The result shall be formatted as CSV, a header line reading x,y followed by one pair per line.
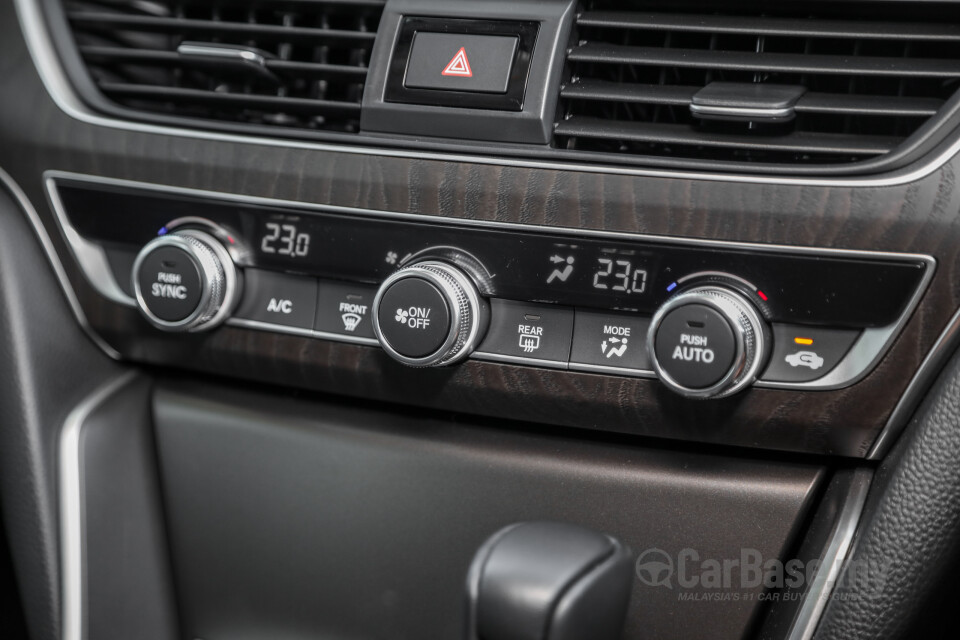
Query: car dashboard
x,y
526,320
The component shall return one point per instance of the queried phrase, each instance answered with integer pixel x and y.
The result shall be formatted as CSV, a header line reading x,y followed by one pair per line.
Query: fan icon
x,y
402,316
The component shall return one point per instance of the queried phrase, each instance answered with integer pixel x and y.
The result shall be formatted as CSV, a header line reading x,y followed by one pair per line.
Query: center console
x,y
707,319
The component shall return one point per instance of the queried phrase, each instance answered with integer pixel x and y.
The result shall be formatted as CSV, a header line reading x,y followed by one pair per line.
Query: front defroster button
x,y
345,309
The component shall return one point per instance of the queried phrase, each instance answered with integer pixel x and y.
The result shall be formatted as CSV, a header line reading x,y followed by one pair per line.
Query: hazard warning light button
x,y
460,62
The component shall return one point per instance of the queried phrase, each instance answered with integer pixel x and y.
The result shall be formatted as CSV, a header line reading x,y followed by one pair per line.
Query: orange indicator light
x,y
803,340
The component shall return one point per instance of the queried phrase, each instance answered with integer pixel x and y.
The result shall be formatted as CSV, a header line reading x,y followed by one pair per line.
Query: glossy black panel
x,y
606,273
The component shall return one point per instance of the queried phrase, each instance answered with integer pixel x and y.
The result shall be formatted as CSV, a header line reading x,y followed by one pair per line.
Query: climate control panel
x,y
706,318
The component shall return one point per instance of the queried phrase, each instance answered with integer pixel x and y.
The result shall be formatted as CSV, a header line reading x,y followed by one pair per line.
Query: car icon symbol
x,y
805,359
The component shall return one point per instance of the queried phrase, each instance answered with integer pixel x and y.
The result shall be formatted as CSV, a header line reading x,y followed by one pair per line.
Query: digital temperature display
x,y
619,275
285,239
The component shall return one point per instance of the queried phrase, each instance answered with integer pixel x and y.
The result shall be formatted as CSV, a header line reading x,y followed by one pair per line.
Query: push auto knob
x,y
185,281
429,314
708,342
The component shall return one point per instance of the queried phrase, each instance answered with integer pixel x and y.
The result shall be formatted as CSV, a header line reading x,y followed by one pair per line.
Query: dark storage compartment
x,y
290,519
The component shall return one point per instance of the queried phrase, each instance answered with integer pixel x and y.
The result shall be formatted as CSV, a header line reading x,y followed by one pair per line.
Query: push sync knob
x,y
708,342
185,281
429,314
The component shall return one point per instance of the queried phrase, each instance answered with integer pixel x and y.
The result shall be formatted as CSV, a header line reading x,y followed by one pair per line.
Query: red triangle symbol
x,y
459,66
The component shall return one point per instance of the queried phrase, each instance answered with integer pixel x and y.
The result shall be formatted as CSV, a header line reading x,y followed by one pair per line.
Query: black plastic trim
x,y
475,116
512,100
933,137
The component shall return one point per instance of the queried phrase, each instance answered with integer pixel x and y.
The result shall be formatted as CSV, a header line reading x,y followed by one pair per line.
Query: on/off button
x,y
695,346
413,317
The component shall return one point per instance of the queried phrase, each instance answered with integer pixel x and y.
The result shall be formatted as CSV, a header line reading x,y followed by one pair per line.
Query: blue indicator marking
x,y
163,231
672,287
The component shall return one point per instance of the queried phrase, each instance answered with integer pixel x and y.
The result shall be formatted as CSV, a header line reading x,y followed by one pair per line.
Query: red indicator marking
x,y
232,241
762,295
459,66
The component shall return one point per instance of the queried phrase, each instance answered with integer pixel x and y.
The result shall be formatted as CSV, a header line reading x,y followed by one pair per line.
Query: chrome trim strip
x,y
861,359
58,86
741,113
72,584
530,362
54,259
923,378
295,331
337,337
619,371
234,53
269,326
834,558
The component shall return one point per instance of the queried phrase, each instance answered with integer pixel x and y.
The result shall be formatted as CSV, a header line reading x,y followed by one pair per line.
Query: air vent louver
x,y
870,76
292,63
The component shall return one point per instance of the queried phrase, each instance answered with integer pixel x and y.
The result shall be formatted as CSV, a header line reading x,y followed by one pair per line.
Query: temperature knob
x,y
708,342
185,281
429,314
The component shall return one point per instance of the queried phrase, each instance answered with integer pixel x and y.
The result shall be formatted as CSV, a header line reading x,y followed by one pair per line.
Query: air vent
x,y
286,63
827,84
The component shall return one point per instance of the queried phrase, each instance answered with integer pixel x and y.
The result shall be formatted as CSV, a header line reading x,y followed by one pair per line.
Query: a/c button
x,y
278,298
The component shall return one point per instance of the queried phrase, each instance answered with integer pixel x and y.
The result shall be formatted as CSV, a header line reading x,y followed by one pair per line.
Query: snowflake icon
x,y
402,316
